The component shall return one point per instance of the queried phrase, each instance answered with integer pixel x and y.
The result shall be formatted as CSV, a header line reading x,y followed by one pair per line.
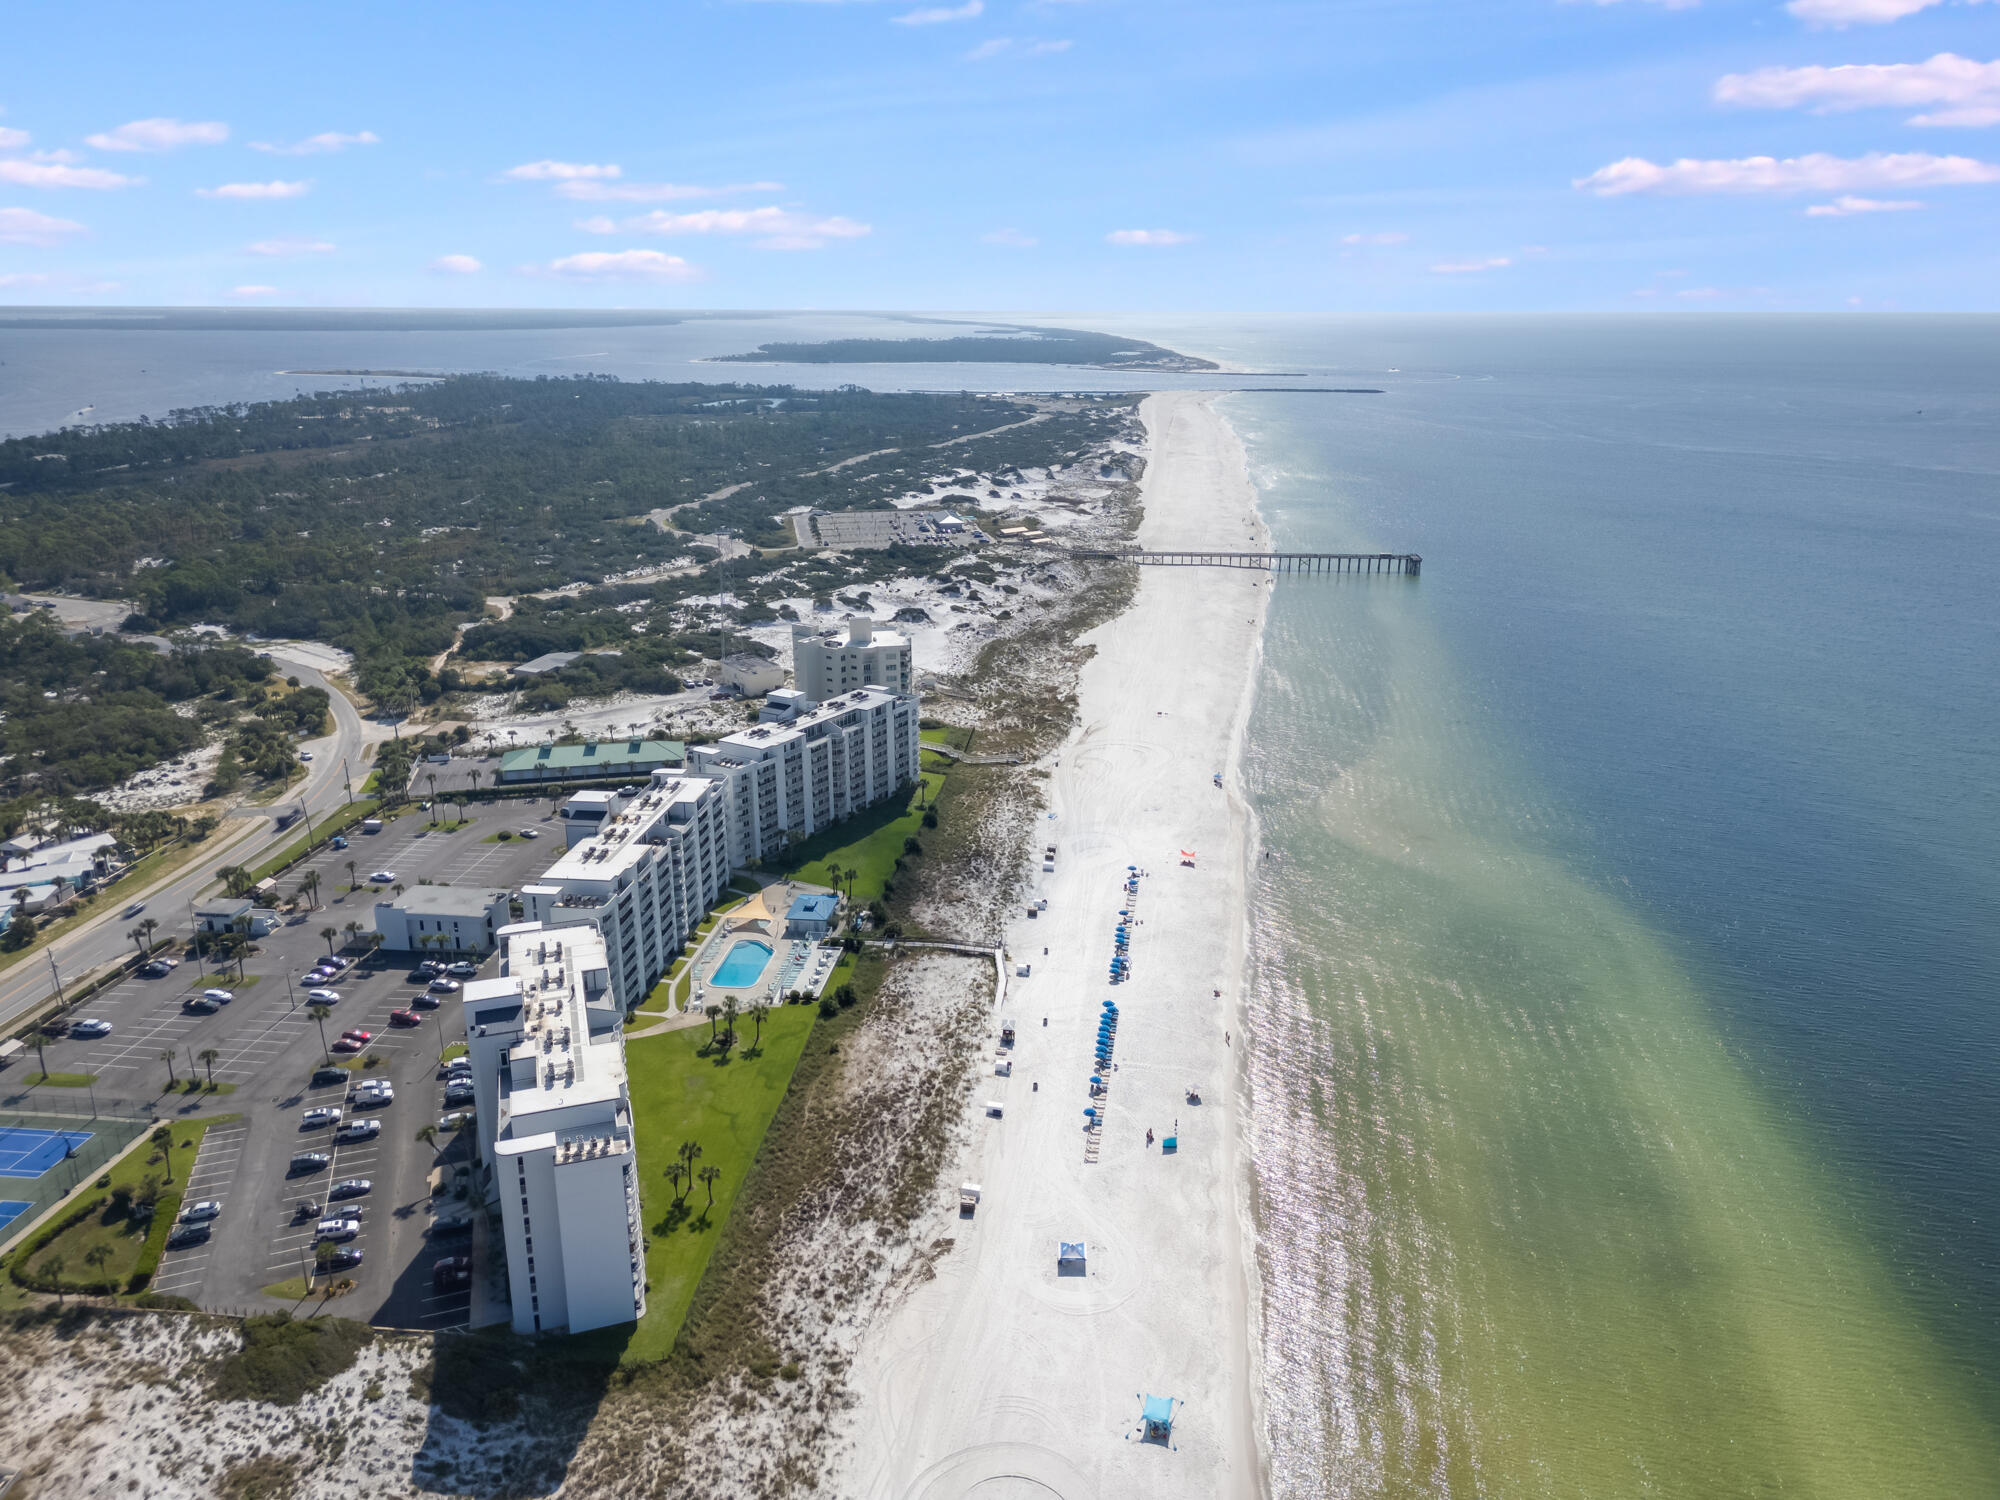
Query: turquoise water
x,y
1624,1084
742,965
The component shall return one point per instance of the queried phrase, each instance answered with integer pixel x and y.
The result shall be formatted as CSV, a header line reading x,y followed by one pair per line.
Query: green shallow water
x,y
1600,1152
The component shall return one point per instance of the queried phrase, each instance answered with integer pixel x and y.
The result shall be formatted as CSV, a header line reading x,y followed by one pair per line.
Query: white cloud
x,y
293,247
1969,89
991,47
782,228
11,139
456,265
325,142
256,190
561,171
23,226
1043,49
1147,237
586,191
1856,12
623,265
598,224
254,290
1817,173
1847,205
1469,267
1014,237
160,135
935,15
48,174
1386,237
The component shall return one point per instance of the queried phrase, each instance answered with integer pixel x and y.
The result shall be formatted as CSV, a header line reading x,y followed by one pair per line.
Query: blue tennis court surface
x,y
10,1210
30,1153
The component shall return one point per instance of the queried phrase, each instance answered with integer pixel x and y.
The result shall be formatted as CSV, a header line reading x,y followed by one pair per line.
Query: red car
x,y
405,1018
358,1035
353,1041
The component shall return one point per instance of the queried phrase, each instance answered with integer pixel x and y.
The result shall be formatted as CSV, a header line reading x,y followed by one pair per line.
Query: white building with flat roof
x,y
644,877
456,919
547,1045
828,663
828,763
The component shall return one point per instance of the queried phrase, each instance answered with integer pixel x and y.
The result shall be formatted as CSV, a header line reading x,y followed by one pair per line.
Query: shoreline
x,y
995,1366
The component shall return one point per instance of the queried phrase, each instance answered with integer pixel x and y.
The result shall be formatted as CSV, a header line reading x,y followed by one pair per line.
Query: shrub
x,y
913,845
282,1360
930,818
845,996
827,1009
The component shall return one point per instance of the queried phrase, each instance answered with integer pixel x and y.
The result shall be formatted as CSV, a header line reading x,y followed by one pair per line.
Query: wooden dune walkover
x,y
1408,564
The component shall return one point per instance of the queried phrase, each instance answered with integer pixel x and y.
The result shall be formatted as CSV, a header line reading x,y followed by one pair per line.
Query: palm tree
x,y
714,1013
399,888
676,1173
351,930
475,775
431,777
758,1010
709,1177
319,1013
53,1269
96,1256
167,1057
148,926
138,937
208,1057
164,1139
429,1137
352,867
329,932
688,1155
730,1009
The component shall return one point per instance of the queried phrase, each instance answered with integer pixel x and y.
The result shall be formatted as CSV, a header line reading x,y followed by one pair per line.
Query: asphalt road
x,y
101,939
270,1048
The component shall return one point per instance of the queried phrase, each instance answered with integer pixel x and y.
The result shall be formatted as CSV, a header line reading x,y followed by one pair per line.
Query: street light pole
x,y
61,1003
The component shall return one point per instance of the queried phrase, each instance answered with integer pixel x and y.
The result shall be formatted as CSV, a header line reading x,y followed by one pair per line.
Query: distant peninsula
x,y
998,346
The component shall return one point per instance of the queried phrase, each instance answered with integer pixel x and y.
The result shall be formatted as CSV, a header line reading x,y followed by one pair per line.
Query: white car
x,y
324,997
305,755
383,877
197,1213
90,1028
368,1095
220,997
442,986
324,1114
531,833
337,1229
358,1130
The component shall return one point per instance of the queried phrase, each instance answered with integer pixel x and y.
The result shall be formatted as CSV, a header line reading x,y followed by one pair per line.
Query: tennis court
x,y
27,1152
10,1210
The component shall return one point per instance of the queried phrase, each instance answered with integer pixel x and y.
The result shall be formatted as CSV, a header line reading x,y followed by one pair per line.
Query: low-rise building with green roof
x,y
630,760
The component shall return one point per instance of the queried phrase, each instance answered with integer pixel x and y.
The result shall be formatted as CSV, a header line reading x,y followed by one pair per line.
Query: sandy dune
x,y
1000,1377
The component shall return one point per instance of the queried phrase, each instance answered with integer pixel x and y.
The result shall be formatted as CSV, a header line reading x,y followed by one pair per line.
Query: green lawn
x,y
59,1080
867,843
134,1243
678,1095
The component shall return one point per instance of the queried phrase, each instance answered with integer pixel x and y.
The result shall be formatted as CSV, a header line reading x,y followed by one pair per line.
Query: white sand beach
x,y
999,1376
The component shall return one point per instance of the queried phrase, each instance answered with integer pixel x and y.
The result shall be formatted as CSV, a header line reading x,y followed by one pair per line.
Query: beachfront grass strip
x,y
133,1244
681,1091
867,845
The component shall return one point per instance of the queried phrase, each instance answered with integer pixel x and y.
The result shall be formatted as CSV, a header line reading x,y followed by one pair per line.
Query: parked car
x,y
338,841
356,1034
445,1225
324,1076
305,755
346,1258
323,996
445,986
457,1065
158,968
336,963
425,1001
308,1161
451,1271
459,1093
454,1120
318,1116
383,877
405,1018
201,1211
196,1006
463,969
350,1187
220,997
90,1027
186,1236
358,1130
367,1096
337,1229
531,833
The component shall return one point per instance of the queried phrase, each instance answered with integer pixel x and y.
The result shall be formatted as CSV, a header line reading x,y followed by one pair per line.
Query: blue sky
x,y
1142,155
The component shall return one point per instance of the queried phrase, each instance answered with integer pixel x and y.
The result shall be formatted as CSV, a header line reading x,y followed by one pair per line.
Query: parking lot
x,y
266,1045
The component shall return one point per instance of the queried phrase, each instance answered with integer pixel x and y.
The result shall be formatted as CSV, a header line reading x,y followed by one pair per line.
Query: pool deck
x,y
795,964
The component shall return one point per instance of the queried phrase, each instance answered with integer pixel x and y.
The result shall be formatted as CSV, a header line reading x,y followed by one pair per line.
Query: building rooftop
x,y
552,661
446,901
555,970
762,736
623,838
617,757
812,908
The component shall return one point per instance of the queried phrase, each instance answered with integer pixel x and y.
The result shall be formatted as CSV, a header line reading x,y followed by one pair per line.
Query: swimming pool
x,y
743,964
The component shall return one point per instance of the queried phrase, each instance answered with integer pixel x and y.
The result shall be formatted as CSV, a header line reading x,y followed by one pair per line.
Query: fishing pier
x,y
1407,564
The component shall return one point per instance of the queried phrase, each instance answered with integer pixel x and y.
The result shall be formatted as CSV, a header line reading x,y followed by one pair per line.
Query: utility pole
x,y
347,780
290,993
61,1003
309,821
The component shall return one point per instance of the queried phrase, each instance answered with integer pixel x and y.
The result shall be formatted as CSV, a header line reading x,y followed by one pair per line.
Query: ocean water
x,y
1625,1085
1624,1077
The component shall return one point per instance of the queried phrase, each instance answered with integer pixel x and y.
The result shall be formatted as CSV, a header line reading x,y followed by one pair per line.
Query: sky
x,y
1108,155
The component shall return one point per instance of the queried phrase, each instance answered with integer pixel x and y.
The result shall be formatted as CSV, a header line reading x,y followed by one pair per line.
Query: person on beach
x,y
1149,1135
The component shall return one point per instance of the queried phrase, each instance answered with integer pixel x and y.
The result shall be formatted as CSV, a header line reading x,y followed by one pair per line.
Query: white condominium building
x,y
827,764
644,878
827,663
547,1046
